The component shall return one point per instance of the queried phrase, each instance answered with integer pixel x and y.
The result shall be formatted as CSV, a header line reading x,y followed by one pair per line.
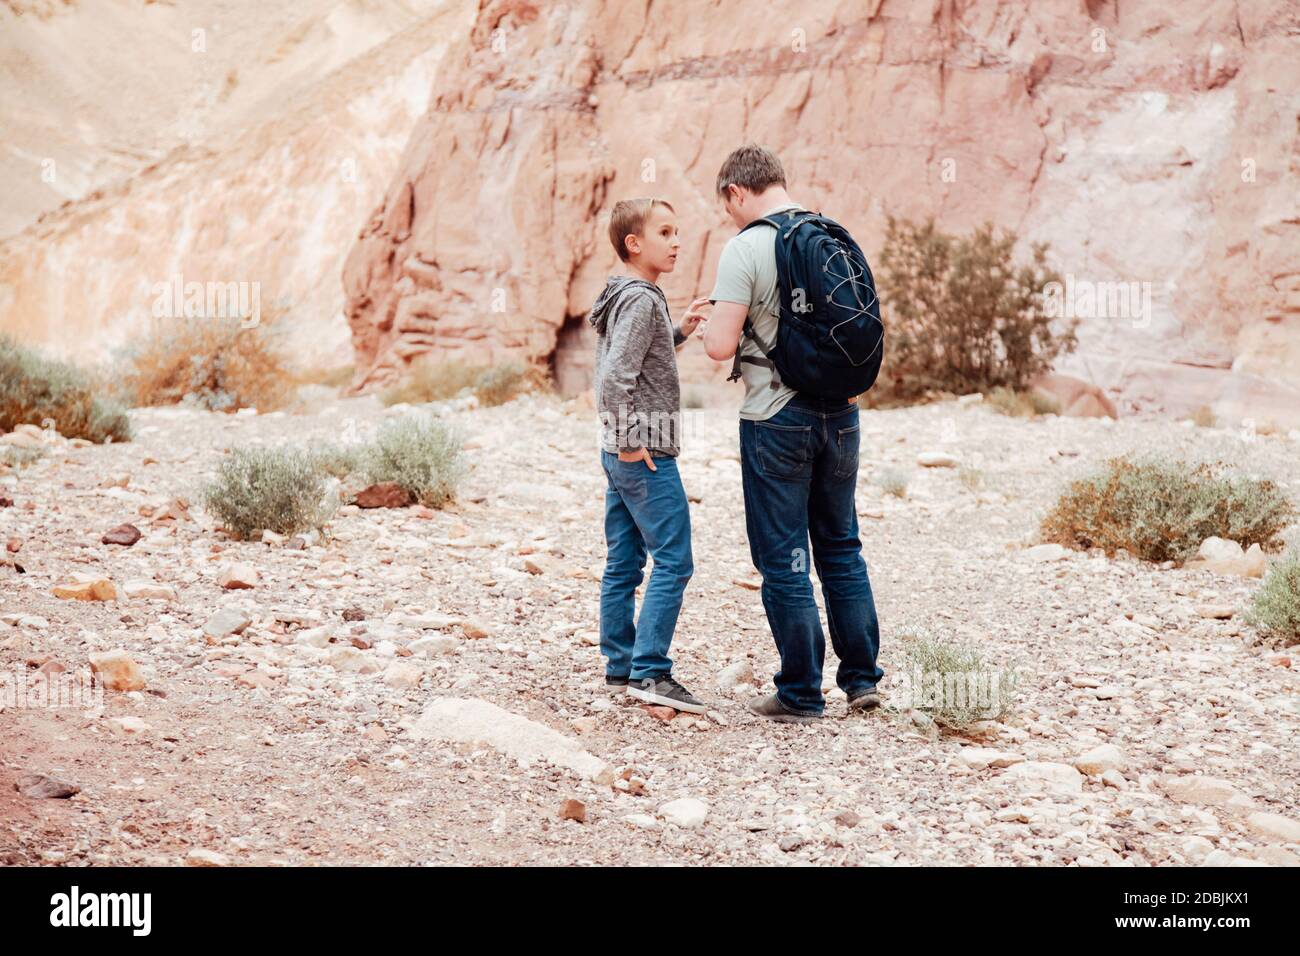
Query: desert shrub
x,y
429,381
961,315
335,377
1023,404
953,683
893,482
1275,608
970,477
1044,403
12,457
211,363
504,382
421,455
1161,510
34,389
339,461
276,489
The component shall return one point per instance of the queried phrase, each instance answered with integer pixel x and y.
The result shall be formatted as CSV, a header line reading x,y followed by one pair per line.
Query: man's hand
x,y
638,454
693,317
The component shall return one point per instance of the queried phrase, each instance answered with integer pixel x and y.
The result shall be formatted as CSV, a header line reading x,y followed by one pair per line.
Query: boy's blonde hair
x,y
628,219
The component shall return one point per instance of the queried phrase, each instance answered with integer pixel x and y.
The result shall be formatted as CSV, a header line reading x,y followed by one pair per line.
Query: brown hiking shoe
x,y
772,708
864,701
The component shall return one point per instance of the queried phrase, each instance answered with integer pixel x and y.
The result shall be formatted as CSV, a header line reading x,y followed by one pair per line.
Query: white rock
x,y
131,725
144,589
1275,826
403,674
1219,549
733,675
978,758
225,622
351,660
1210,791
199,857
1057,776
937,459
686,812
1100,759
642,821
1046,552
315,636
237,576
471,720
433,646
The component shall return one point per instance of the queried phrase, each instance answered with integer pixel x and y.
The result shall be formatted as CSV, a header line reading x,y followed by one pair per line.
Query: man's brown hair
x,y
628,219
751,167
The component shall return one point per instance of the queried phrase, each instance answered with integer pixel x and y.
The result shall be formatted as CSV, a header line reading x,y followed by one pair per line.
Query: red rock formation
x,y
1146,143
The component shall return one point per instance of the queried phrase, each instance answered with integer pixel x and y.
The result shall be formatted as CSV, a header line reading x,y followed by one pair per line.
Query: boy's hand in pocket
x,y
638,454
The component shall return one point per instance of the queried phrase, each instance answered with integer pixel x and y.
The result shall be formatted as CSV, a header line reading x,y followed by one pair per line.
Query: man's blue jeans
x,y
799,470
644,511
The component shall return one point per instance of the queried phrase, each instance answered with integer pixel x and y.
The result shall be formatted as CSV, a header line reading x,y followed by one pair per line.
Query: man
x,y
799,467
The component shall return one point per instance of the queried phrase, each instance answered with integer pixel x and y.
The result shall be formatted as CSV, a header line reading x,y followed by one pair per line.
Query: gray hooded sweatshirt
x,y
638,396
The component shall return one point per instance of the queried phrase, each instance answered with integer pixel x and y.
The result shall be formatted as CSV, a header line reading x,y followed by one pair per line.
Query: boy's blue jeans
x,y
799,471
644,511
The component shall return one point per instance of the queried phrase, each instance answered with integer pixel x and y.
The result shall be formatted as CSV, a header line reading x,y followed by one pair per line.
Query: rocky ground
x,y
422,687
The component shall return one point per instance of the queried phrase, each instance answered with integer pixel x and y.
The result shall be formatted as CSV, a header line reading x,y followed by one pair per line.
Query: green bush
x,y
421,455
34,389
892,481
502,383
275,489
952,683
1275,608
961,316
1161,510
338,461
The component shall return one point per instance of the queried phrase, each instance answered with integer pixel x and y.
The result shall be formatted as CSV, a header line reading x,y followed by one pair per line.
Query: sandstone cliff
x,y
249,162
1147,144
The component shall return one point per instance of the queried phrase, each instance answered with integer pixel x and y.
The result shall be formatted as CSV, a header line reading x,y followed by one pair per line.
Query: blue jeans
x,y
799,471
644,511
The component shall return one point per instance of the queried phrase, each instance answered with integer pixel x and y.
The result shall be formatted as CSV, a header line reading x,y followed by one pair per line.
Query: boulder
x,y
86,587
117,671
384,494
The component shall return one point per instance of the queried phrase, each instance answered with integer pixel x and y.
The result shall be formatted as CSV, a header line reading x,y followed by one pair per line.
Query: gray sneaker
x,y
863,701
666,692
772,708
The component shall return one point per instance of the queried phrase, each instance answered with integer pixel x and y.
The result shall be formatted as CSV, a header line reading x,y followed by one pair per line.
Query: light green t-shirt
x,y
747,275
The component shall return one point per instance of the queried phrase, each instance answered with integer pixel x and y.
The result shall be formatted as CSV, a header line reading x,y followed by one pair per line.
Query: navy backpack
x,y
829,339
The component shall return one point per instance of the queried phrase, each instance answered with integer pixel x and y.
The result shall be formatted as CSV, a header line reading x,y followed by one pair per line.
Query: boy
x,y
639,401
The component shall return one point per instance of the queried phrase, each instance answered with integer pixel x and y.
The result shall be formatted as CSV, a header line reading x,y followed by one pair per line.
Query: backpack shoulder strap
x,y
748,331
